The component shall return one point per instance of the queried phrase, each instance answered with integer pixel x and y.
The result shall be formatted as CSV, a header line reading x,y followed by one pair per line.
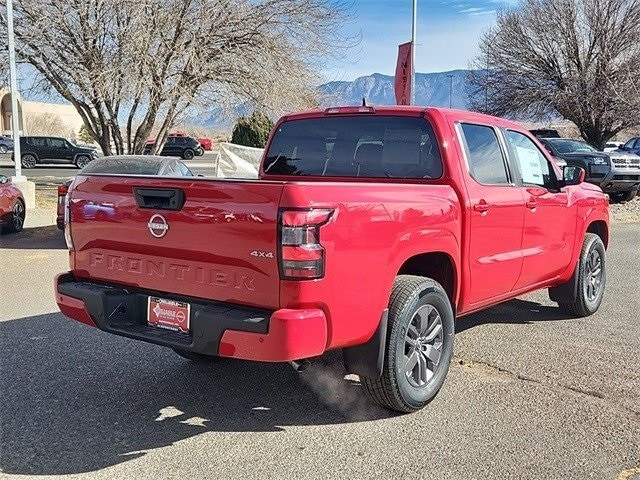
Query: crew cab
x,y
369,229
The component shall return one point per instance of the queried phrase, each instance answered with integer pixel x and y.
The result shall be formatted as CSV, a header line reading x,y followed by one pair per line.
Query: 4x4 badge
x,y
158,226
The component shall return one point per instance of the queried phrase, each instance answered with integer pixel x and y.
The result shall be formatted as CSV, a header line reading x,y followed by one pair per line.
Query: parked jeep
x,y
38,150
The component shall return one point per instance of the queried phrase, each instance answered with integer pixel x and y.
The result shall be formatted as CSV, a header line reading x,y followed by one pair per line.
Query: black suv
x,y
183,147
6,144
37,150
617,173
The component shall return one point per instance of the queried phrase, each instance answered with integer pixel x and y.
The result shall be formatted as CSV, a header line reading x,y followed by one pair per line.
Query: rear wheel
x,y
618,197
18,214
592,277
419,345
196,357
82,161
28,161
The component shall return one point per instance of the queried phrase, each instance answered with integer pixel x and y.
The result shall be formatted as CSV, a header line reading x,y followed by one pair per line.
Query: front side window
x,y
486,161
532,164
355,146
57,142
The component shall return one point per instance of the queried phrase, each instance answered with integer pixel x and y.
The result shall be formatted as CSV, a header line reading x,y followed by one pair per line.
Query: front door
x,y
549,219
496,212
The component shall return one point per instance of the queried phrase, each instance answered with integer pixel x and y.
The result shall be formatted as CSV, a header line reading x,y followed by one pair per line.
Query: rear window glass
x,y
484,154
349,146
123,166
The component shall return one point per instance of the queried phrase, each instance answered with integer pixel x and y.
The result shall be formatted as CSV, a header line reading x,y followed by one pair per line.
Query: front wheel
x,y
187,154
3,149
18,214
419,345
592,277
618,197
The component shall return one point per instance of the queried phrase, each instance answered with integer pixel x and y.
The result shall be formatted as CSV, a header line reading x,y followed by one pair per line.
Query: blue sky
x,y
447,35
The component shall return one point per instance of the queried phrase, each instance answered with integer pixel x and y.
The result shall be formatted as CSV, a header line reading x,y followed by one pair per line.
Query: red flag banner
x,y
403,75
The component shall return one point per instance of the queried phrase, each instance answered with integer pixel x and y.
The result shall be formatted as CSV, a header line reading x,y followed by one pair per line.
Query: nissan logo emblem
x,y
158,226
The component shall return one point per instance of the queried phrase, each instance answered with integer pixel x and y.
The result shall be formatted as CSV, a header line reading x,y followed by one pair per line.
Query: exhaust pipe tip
x,y
300,365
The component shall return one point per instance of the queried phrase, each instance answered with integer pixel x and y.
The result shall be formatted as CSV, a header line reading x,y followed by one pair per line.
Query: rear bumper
x,y
216,328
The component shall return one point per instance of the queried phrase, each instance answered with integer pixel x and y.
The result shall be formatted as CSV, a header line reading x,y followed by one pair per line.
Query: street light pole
x,y
15,113
450,87
412,100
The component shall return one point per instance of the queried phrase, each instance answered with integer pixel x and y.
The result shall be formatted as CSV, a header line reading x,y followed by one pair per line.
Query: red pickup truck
x,y
369,230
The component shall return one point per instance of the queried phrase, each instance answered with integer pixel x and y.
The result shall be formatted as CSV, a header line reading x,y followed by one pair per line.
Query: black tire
x,y
199,151
82,161
588,301
29,160
397,389
16,219
3,149
196,357
619,197
187,154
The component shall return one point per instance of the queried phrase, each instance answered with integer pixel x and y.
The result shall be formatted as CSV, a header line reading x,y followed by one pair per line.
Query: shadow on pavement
x,y
36,238
75,399
513,312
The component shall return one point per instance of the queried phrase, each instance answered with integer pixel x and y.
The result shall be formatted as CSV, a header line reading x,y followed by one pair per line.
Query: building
x,y
39,118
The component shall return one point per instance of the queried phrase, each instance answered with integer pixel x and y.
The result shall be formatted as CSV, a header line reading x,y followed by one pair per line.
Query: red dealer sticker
x,y
168,314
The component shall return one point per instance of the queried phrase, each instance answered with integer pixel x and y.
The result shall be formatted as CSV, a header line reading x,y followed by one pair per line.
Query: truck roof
x,y
403,110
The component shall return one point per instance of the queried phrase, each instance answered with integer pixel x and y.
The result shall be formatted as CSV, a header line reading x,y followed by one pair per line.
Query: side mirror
x,y
573,175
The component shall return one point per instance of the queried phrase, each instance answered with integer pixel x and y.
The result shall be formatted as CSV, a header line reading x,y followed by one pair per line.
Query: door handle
x,y
531,204
481,207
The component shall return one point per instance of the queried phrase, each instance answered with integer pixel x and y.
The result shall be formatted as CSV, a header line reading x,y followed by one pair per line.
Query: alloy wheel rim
x,y
18,216
423,346
83,162
28,161
3,149
593,273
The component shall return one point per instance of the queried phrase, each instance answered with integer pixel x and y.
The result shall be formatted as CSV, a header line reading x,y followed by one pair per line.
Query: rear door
x,y
58,151
549,220
496,213
201,238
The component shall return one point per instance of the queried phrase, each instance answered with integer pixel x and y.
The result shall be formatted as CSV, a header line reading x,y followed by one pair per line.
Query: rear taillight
x,y
301,253
62,191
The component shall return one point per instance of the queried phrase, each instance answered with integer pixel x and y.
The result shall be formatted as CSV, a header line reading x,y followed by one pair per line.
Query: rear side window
x,y
37,141
350,146
486,161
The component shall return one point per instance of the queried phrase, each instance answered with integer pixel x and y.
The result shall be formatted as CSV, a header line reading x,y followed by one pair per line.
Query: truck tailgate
x,y
213,239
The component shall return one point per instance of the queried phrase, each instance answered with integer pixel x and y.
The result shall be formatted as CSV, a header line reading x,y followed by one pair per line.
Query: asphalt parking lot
x,y
531,394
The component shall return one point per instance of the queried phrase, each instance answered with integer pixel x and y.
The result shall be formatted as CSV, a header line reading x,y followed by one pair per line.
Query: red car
x,y
370,230
12,206
206,143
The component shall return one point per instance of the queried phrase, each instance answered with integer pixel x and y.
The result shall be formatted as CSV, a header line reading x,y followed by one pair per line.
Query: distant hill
x,y
432,89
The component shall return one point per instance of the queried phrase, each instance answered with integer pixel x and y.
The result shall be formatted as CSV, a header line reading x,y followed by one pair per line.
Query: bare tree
x,y
130,65
566,57
47,124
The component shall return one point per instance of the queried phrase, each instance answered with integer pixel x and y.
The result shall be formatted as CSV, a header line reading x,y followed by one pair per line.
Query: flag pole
x,y
13,86
413,53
